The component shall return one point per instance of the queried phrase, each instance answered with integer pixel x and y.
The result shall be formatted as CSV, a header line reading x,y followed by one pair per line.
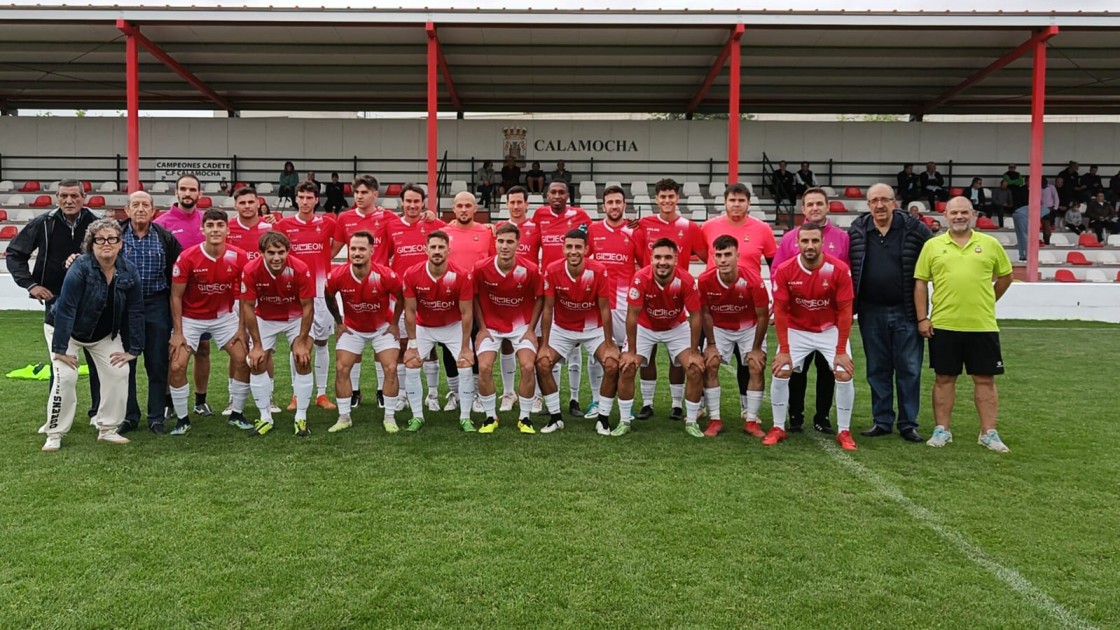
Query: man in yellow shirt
x,y
962,329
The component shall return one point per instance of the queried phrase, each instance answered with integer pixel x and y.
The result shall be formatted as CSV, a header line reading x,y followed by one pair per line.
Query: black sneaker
x,y
645,413
823,426
181,427
158,428
237,419
380,399
127,426
677,414
574,409
356,400
795,425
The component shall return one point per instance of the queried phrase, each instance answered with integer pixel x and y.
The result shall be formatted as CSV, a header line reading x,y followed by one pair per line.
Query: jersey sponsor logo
x,y
577,306
612,257
552,239
728,308
499,300
307,248
365,307
812,305
437,305
276,299
663,313
411,249
215,288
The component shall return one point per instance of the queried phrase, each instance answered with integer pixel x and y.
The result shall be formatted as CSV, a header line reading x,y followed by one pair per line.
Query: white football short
x,y
565,341
802,343
355,342
676,340
450,336
223,329
494,342
728,340
270,330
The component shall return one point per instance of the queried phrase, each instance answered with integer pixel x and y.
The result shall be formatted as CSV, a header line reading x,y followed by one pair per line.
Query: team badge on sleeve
x,y
635,293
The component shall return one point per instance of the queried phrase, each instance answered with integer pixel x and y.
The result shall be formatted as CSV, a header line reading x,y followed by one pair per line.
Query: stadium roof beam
x,y
444,69
733,41
1040,37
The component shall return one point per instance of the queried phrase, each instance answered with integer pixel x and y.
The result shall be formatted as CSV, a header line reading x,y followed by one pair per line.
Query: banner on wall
x,y
206,169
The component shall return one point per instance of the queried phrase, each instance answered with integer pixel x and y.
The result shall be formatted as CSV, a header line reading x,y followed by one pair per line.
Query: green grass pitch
x,y
441,529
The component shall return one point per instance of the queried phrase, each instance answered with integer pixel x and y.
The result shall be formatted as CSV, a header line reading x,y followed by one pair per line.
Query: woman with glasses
x,y
100,310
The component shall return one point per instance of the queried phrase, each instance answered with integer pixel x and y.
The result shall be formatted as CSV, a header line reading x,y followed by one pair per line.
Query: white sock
x,y
524,407
303,384
431,373
779,400
322,368
415,392
261,387
509,366
356,377
625,410
488,405
380,377
556,375
649,390
691,411
754,403
845,400
400,378
744,400
676,393
179,397
238,392
552,402
465,387
343,406
606,406
711,396
453,385
390,408
575,373
595,378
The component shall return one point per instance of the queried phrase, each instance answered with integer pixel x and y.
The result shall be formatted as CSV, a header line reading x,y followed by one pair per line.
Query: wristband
x,y
413,344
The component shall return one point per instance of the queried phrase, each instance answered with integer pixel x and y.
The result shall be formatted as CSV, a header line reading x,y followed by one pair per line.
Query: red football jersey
x,y
507,299
529,245
408,242
311,244
365,303
353,221
247,239
553,228
733,307
755,238
277,297
813,296
615,249
663,308
470,245
437,299
213,284
576,305
685,233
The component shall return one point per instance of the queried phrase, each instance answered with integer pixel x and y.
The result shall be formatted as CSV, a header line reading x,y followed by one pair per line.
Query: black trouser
x,y
157,361
799,382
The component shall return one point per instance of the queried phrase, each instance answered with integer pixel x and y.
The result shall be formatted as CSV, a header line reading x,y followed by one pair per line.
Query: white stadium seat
x,y
107,187
920,204
160,187
536,200
1114,240
1049,258
1006,239
859,205
265,189
613,183
52,187
1106,258
1095,275
23,216
15,200
639,187
715,190
7,186
211,188
691,189
226,203
698,215
1061,239
830,191
696,200
587,188
390,203
588,202
457,186
592,213
642,203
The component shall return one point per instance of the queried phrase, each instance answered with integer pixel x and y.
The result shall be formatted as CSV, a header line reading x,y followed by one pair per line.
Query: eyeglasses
x,y
103,240
879,200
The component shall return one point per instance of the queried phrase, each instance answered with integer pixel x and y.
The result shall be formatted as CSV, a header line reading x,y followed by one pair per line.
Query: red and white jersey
x,y
311,244
732,307
365,303
813,296
663,308
529,245
353,221
277,297
213,284
755,238
437,299
615,249
247,239
408,242
553,228
469,245
576,300
507,299
686,234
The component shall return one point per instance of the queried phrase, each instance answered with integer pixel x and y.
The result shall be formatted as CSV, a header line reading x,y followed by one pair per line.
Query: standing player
x,y
367,290
664,307
470,242
813,313
612,245
529,250
509,304
736,313
312,237
667,223
277,297
438,310
577,312
205,282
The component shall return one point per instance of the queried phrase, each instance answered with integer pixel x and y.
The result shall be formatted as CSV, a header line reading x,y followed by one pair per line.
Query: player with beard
x,y
528,249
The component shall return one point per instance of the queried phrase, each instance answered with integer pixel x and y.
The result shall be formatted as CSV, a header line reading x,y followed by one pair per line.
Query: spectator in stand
x,y
1020,216
485,185
534,179
263,209
289,178
511,174
975,194
804,179
909,186
311,178
1066,198
933,224
1013,178
1100,214
1114,188
1070,187
784,184
561,173
336,195
933,185
1002,201
1052,203
1075,218
224,187
1092,182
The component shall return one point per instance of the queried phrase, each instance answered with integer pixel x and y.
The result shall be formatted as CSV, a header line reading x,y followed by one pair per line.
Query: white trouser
x,y
63,398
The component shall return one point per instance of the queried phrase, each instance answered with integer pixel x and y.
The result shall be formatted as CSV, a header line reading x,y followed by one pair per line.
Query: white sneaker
x,y
508,399
433,401
452,402
553,426
538,404
601,429
476,406
941,437
53,443
229,409
402,403
343,423
111,436
991,440
593,412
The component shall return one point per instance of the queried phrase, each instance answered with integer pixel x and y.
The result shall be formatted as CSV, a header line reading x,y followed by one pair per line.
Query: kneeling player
x,y
812,312
277,297
366,289
735,307
508,306
438,309
577,312
659,298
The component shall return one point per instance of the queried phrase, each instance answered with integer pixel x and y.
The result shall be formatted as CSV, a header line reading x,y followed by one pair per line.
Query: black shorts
x,y
978,352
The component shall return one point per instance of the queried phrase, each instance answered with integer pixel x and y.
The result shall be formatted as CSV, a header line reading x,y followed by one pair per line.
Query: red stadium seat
x,y
956,192
3,215
940,207
1077,258
984,223
1088,239
205,203
348,189
31,186
1118,276
837,206
1065,275
8,232
42,201
138,188
853,192
237,185
96,201
929,221
87,186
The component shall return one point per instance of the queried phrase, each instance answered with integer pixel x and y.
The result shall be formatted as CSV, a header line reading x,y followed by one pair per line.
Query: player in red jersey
x,y
667,223
246,229
312,238
471,241
736,313
367,291
508,307
664,307
438,310
577,312
205,282
529,250
813,312
612,245
277,297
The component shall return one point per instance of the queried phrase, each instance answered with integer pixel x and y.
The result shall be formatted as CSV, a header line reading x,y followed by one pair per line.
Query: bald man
x,y
883,250
153,250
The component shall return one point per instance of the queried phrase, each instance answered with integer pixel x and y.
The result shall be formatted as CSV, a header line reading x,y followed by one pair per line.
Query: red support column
x,y
733,106
1038,109
132,81
433,122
